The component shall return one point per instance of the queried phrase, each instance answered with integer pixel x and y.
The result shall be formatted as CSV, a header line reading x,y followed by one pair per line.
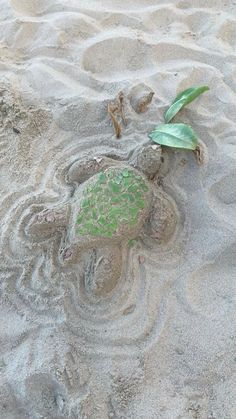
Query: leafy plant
x,y
183,99
178,135
175,135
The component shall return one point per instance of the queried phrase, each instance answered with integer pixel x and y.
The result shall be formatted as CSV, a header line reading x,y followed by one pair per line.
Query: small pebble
x,y
179,351
16,130
98,159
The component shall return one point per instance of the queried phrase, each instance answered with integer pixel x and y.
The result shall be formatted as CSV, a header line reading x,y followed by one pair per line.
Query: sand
x,y
161,344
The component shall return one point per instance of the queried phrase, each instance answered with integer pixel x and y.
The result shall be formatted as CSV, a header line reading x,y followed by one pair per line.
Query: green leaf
x,y
144,187
183,99
133,188
102,177
134,212
175,135
125,173
102,221
112,226
118,179
114,187
115,200
79,219
85,203
107,234
132,242
141,204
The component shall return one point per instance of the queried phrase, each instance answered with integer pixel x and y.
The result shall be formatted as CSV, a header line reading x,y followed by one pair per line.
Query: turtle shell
x,y
114,203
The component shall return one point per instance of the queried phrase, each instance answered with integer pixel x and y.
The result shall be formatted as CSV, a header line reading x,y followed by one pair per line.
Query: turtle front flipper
x,y
163,218
49,221
82,170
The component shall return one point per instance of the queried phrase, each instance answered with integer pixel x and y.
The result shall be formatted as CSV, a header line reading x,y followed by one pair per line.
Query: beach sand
x,y
162,343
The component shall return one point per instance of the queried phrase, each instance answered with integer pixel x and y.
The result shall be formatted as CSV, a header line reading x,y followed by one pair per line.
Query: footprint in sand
x,y
222,198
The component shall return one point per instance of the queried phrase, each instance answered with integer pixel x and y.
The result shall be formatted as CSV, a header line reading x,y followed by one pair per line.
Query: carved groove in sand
x,y
85,270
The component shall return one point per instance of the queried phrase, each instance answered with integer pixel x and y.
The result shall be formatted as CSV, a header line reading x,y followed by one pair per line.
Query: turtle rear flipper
x,y
69,254
163,219
103,270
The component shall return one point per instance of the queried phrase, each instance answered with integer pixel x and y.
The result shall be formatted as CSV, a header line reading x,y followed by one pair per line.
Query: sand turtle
x,y
113,203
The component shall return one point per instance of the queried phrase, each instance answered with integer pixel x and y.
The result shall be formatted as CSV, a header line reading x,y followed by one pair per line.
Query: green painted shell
x,y
113,201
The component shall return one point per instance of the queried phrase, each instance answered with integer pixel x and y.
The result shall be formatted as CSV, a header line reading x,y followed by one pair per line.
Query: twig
x,y
199,154
121,107
111,110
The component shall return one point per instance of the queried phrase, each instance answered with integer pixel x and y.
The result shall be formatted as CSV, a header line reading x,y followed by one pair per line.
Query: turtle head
x,y
148,159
